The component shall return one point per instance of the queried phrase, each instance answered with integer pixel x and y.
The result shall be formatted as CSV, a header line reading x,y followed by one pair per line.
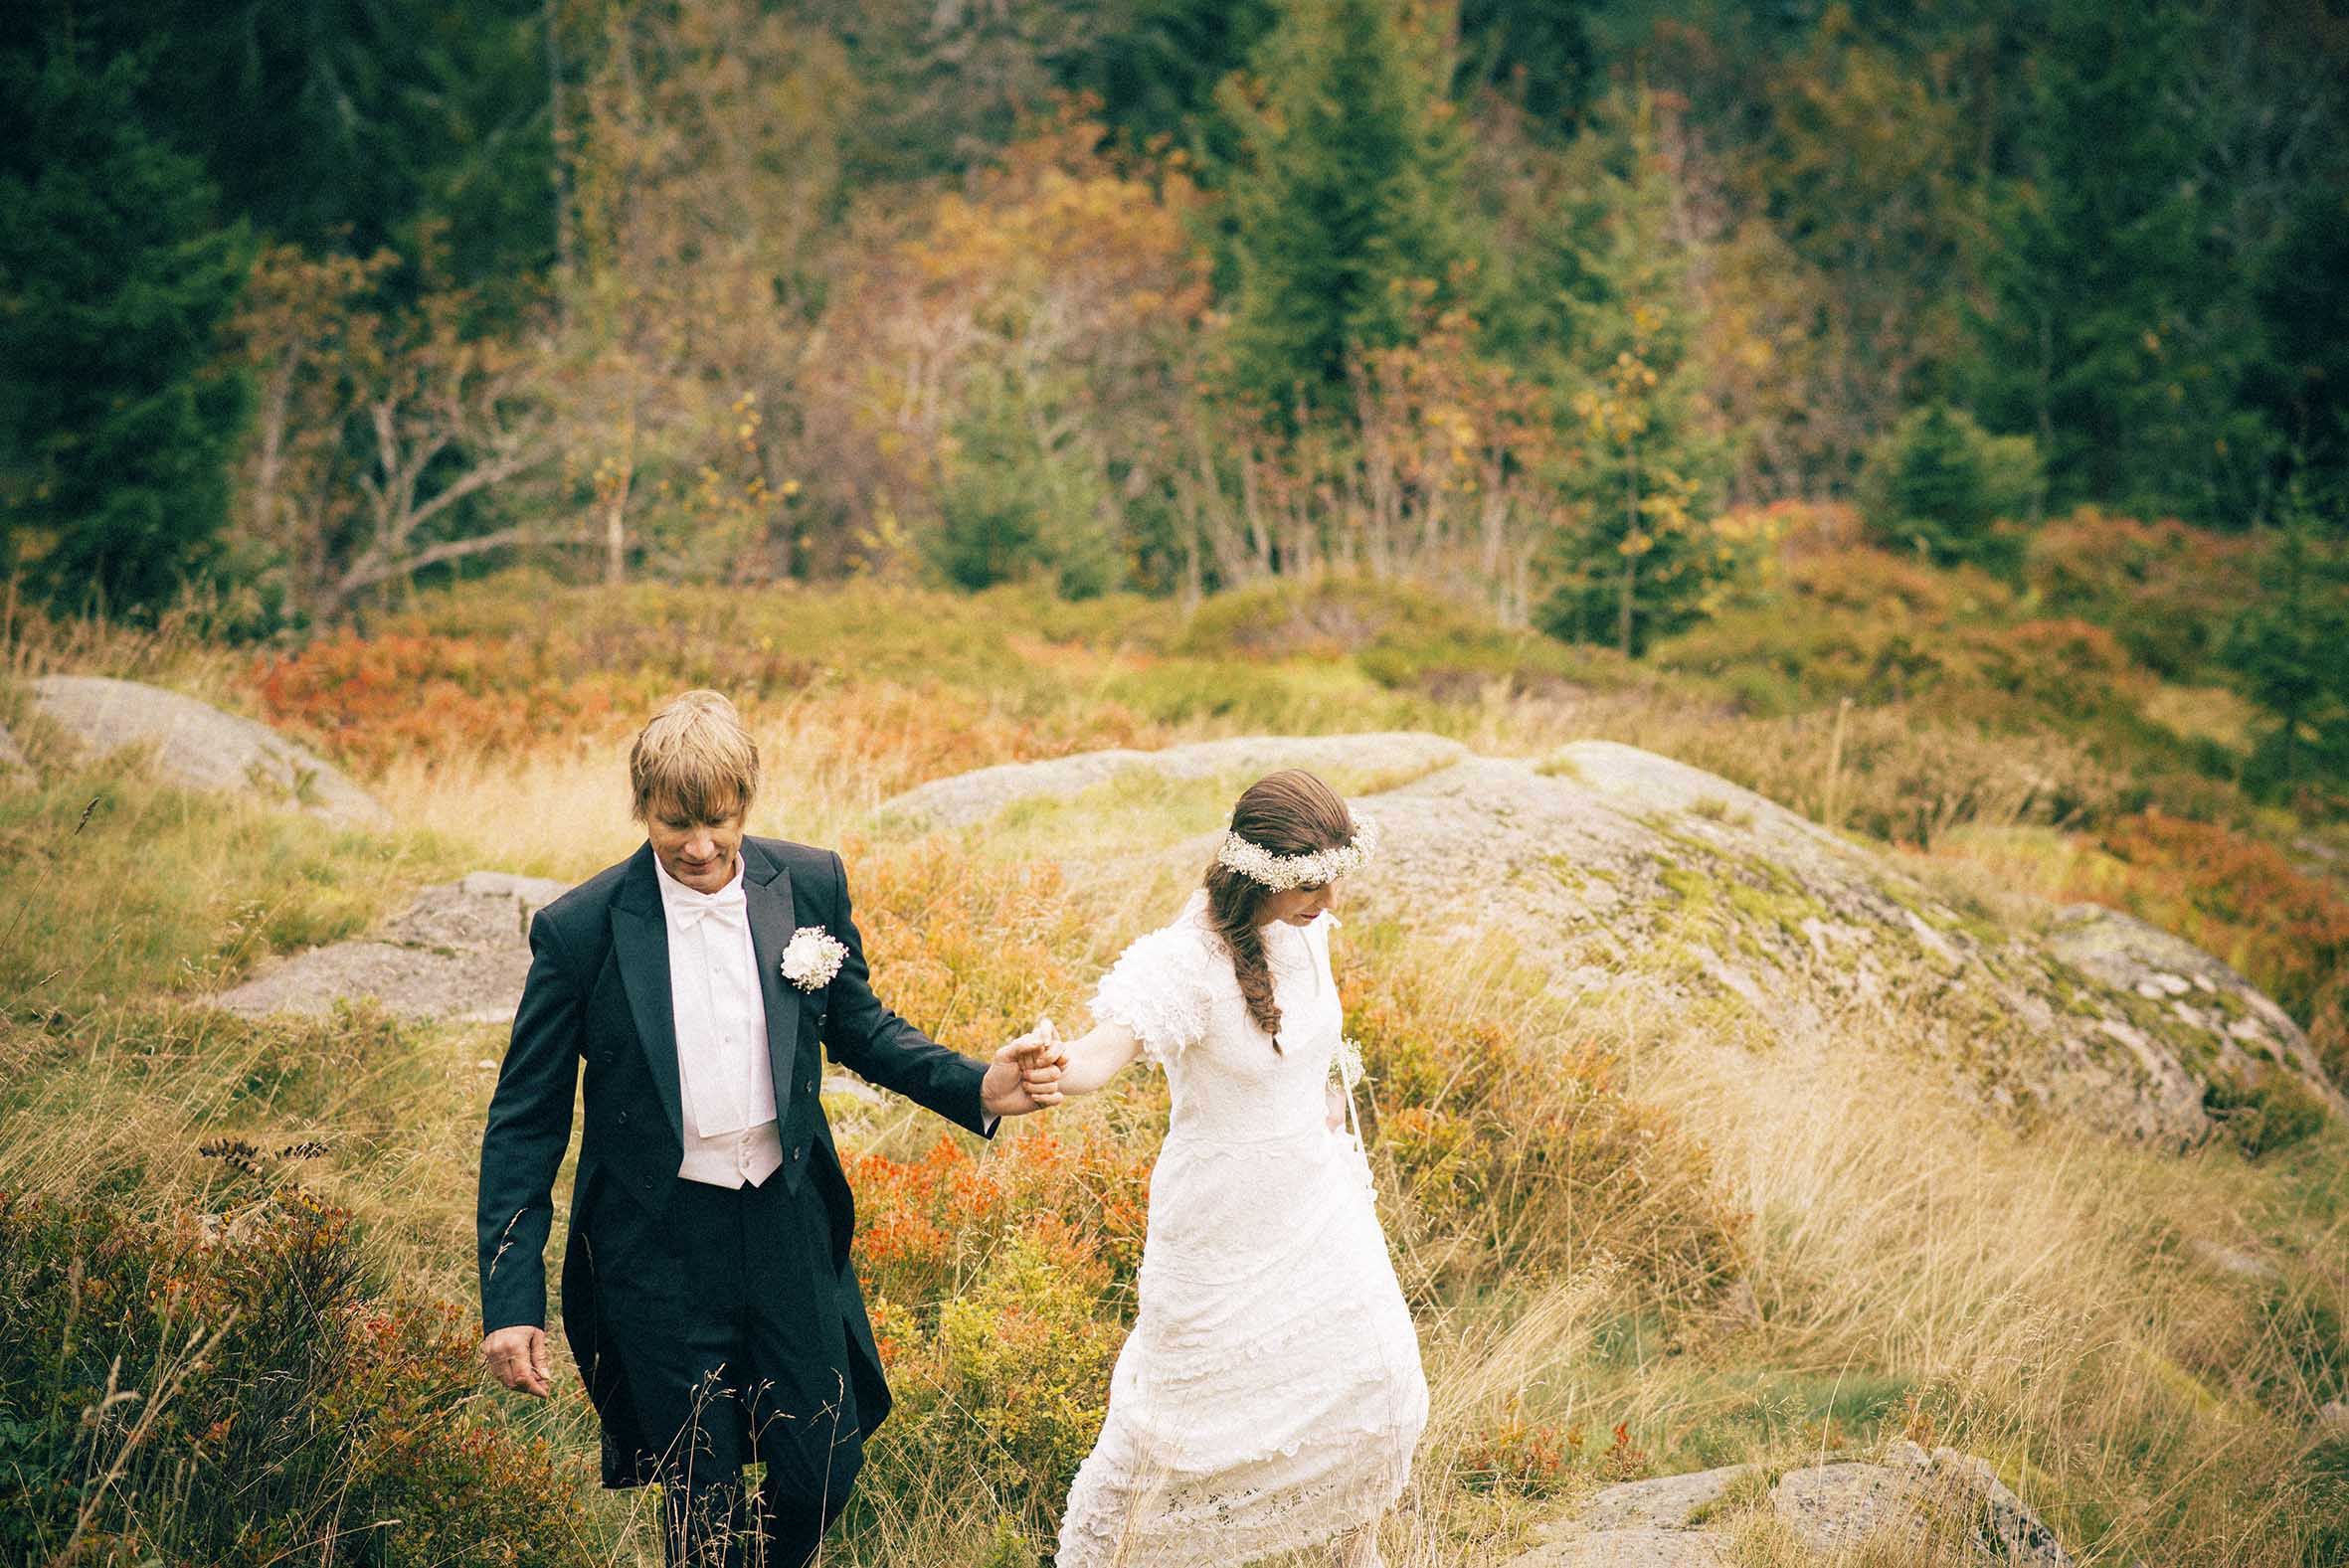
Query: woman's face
x,y
1296,905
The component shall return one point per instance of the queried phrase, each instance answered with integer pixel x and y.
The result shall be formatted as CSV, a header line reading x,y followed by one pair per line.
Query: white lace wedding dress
x,y
1270,1394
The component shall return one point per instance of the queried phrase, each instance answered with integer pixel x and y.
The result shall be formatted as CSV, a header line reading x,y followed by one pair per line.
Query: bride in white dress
x,y
1270,1394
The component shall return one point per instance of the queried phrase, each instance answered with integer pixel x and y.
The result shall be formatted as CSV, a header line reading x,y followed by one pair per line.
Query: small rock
x,y
1665,1501
2332,1419
198,746
1834,1507
2230,1260
1640,1546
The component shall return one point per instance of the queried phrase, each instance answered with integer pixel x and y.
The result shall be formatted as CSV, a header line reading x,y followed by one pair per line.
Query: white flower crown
x,y
1259,864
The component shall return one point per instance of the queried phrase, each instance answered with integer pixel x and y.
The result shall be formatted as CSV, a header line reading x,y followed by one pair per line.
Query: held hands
x,y
516,1357
1025,1074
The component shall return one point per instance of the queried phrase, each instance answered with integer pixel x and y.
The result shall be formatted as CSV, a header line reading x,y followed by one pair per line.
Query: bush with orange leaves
x,y
224,1389
1519,1155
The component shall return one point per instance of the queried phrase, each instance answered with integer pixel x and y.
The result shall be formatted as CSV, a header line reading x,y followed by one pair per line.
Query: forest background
x,y
1928,416
1571,307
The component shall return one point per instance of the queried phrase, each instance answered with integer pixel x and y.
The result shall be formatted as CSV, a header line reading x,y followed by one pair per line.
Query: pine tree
x,y
2292,646
2106,336
1343,196
116,426
1935,484
1602,321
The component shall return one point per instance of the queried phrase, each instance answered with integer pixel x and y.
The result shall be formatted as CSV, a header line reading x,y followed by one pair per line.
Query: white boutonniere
x,y
812,957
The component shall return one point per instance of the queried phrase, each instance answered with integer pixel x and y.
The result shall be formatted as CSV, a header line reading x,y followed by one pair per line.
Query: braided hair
x,y
1289,813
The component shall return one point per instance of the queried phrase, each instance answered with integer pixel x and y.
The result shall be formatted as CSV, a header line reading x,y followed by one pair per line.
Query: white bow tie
x,y
727,909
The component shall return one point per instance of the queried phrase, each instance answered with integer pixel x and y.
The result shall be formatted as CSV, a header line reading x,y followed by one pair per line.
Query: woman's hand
x,y
1025,1077
1334,1099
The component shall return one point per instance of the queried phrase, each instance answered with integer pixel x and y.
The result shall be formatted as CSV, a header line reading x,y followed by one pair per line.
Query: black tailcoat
x,y
599,994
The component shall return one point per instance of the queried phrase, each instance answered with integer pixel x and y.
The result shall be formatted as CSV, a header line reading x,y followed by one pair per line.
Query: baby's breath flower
x,y
1259,864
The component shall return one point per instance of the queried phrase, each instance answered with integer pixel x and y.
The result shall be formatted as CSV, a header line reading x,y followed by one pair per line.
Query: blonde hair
x,y
695,756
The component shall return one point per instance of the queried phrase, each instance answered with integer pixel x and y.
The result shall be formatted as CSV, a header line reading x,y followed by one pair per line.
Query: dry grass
x,y
1909,1266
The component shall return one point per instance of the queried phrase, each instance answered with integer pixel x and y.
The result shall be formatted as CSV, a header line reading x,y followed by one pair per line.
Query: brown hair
x,y
695,754
1290,812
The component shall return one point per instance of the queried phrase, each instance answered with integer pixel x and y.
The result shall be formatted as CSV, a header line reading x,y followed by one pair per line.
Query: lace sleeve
x,y
1156,989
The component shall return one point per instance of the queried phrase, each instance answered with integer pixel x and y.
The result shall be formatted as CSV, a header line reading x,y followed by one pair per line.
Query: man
x,y
708,1292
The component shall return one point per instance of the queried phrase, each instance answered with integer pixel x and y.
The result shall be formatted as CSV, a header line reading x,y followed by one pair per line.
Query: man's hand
x,y
516,1357
1024,1075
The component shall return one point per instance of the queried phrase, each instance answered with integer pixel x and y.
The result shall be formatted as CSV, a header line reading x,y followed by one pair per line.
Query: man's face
x,y
699,854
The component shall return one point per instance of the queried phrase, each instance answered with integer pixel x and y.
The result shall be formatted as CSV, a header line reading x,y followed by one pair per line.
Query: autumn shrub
x,y
1000,1291
1516,1455
1518,1153
367,700
2165,590
226,1389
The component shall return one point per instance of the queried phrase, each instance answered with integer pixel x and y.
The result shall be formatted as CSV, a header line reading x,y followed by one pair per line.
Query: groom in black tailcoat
x,y
708,1292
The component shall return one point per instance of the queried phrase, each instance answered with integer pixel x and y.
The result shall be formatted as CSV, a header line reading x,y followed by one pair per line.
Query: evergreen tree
x,y
1600,317
116,427
1344,194
2292,646
1938,484
1535,52
2108,336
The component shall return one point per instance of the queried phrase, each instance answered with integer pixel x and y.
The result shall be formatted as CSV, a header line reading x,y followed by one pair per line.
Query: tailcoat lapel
x,y
766,890
640,940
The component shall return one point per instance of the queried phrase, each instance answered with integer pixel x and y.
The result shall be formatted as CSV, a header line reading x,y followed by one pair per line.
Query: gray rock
x,y
1636,1547
1834,1507
197,746
15,765
2231,1260
2332,1420
2236,1022
1665,1503
1604,854
1949,1504
975,796
460,951
2002,1526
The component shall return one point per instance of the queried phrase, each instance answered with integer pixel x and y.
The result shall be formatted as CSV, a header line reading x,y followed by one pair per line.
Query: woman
x,y
1270,1394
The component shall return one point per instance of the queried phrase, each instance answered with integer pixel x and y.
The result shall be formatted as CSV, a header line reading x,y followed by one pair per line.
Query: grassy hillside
x,y
244,1250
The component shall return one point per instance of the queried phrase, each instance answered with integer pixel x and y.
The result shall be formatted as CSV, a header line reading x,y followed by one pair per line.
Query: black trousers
x,y
726,1320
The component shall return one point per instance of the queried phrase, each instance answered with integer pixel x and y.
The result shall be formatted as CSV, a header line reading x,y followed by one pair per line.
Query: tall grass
x,y
1637,1238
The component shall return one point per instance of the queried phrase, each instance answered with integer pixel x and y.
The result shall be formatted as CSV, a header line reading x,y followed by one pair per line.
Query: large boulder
x,y
461,953
197,746
974,796
1611,866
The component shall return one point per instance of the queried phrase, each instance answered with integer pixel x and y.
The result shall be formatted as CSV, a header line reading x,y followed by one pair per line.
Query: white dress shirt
x,y
727,1083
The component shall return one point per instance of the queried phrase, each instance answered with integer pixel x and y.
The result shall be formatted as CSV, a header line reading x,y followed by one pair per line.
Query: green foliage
x,y
1603,320
116,427
2290,645
1938,484
2272,1112
1536,53
1016,505
223,1388
1341,195
2112,333
357,126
